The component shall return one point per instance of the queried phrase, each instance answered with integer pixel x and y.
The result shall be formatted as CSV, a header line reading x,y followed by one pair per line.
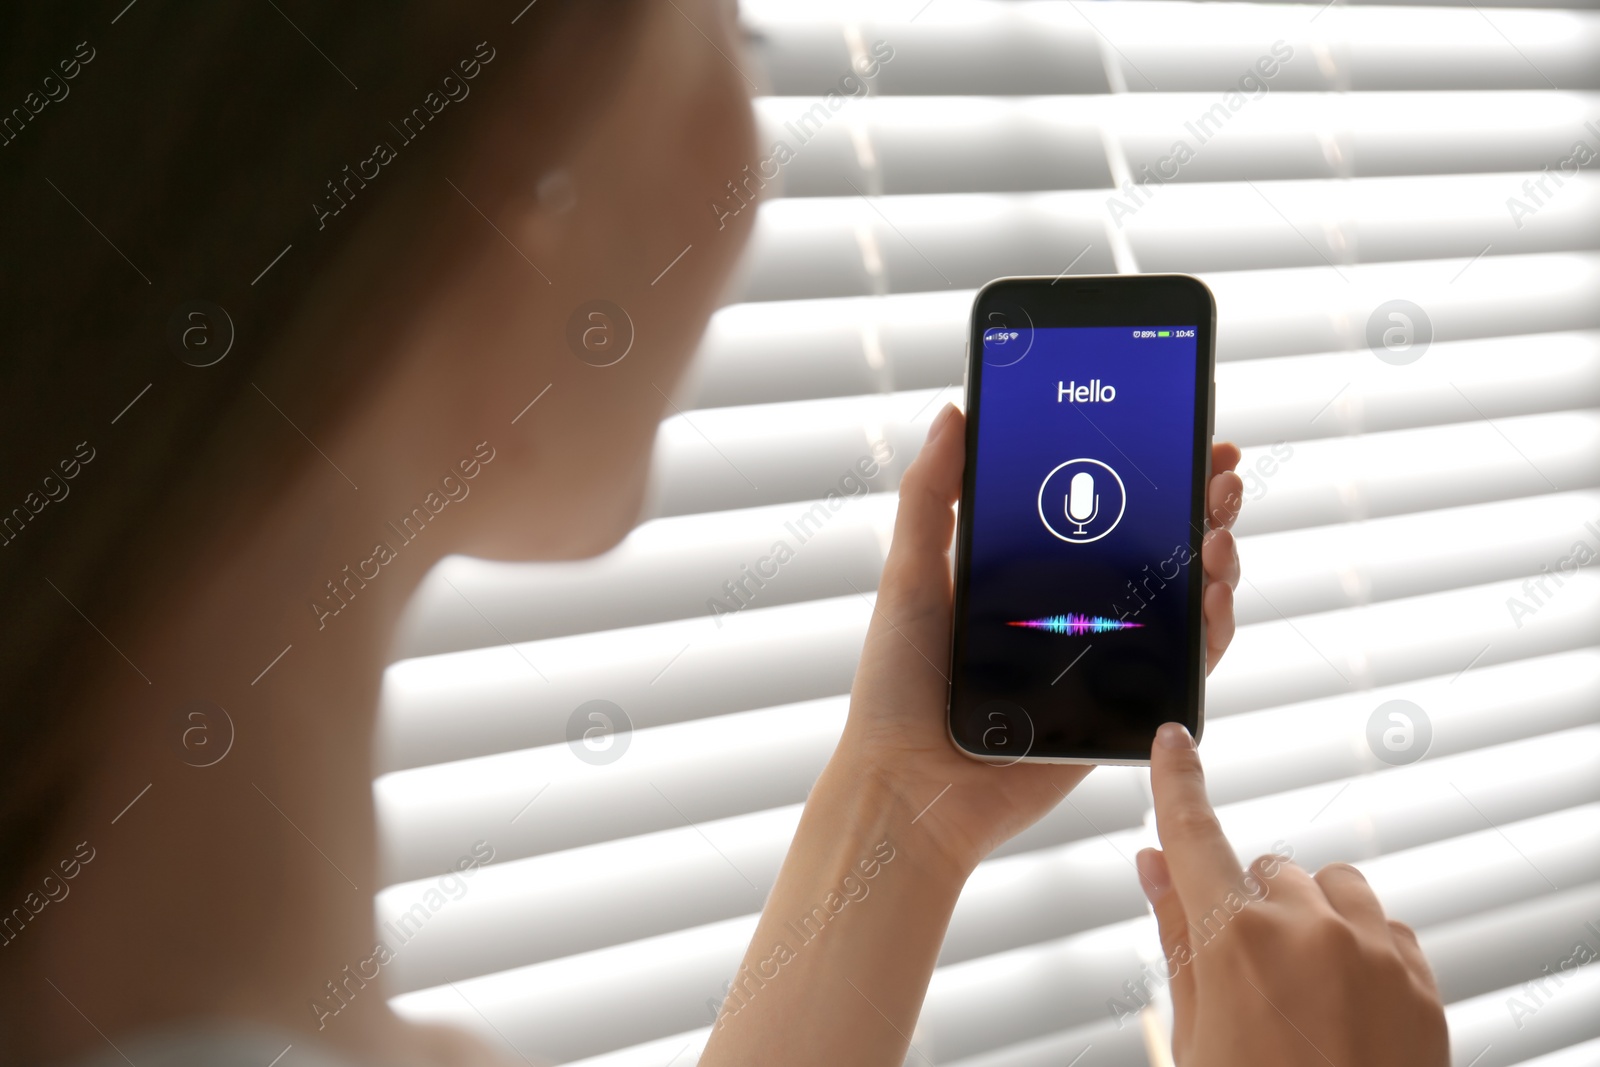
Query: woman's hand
x,y
1294,970
896,731
852,928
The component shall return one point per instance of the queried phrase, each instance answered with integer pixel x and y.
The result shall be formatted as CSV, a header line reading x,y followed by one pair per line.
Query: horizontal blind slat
x,y
567,1009
1324,740
1297,572
999,48
1586,1054
1297,398
1356,648
1496,948
1486,870
674,568
1409,806
464,704
973,144
813,247
1485,1030
1344,479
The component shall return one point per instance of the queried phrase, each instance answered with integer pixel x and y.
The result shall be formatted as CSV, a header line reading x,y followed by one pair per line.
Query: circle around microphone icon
x,y
1082,500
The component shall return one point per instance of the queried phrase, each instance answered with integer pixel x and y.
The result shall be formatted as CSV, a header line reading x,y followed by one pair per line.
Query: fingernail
x,y
1174,735
940,421
1154,878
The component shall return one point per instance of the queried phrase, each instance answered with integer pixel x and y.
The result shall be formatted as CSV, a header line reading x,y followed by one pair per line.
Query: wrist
x,y
850,932
864,801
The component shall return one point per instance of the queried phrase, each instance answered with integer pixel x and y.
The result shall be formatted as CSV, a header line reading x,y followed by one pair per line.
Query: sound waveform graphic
x,y
1077,624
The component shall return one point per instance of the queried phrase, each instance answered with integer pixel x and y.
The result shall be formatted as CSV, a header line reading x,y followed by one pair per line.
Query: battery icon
x,y
1163,333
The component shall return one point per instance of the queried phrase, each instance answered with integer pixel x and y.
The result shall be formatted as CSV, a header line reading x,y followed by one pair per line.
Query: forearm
x,y
841,958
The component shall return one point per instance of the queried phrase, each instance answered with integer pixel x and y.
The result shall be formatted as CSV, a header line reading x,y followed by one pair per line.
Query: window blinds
x,y
1402,527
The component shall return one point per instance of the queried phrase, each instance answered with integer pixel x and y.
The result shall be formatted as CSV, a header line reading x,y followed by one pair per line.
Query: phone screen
x,y
1077,628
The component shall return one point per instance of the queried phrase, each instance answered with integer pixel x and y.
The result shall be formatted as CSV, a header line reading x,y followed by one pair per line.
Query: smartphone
x,y
1078,627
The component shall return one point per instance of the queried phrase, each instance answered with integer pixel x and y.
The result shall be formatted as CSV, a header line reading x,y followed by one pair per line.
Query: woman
x,y
276,273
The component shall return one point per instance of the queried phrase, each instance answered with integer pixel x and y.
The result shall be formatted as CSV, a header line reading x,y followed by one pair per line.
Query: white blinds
x,y
1405,508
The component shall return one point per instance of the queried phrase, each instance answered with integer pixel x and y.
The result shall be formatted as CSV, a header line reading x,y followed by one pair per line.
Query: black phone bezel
x,y
1139,300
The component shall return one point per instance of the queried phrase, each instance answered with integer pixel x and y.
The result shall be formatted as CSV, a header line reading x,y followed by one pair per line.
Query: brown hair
x,y
184,187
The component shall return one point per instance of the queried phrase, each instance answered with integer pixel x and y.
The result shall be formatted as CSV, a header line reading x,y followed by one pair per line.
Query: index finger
x,y
1203,865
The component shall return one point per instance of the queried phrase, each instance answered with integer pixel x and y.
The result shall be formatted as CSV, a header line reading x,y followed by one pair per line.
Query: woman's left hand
x,y
896,730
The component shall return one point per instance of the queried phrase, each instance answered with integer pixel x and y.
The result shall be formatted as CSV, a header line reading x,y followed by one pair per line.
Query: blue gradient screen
x,y
1077,604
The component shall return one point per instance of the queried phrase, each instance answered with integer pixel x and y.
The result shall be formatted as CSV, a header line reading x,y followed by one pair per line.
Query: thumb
x,y
916,576
1156,881
908,640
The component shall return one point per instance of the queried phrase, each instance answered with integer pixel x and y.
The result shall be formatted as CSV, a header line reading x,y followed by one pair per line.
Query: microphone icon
x,y
1089,494
1082,502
